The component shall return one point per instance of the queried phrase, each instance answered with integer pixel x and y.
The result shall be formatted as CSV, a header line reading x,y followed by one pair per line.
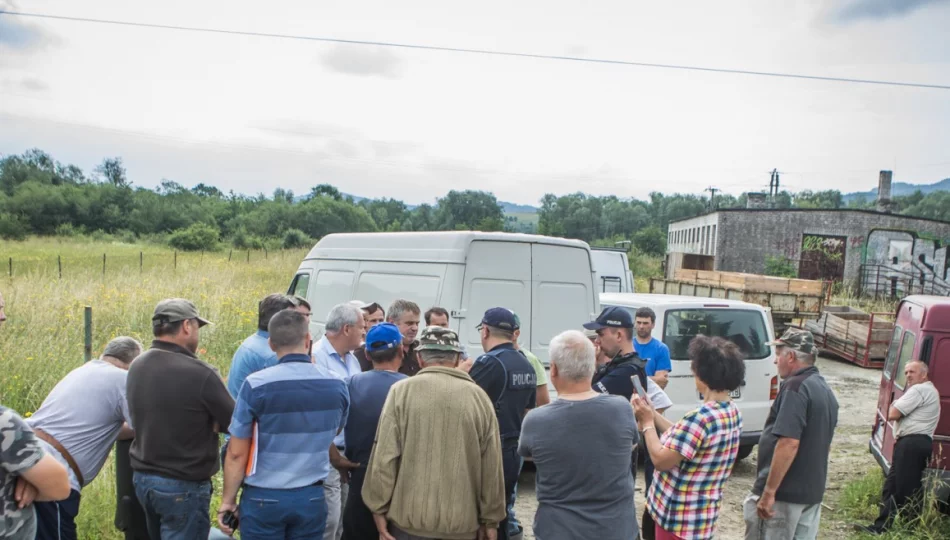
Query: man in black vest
x,y
511,383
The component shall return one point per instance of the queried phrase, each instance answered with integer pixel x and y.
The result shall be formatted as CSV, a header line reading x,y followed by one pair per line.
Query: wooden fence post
x,y
87,350
230,252
103,265
141,262
59,263
176,259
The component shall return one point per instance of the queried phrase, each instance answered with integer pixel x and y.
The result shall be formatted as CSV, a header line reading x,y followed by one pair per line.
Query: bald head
x,y
915,373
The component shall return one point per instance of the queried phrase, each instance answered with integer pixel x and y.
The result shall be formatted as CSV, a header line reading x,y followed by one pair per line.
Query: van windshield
x,y
743,327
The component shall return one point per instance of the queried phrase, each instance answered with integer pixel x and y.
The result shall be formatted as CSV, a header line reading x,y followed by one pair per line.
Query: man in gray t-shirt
x,y
582,446
794,447
78,423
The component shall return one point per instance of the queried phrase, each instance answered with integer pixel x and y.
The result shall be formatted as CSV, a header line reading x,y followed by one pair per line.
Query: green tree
x,y
112,170
467,210
651,241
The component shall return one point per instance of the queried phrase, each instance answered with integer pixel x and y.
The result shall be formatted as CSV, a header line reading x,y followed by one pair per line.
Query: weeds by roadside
x,y
859,504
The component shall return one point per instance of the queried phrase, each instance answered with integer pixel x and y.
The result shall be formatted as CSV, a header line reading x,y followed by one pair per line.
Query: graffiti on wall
x,y
905,263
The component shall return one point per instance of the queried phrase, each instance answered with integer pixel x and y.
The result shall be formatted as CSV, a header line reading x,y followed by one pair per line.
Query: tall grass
x,y
43,339
859,503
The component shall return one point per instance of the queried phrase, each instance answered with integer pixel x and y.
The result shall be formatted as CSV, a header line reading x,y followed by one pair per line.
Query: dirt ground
x,y
856,389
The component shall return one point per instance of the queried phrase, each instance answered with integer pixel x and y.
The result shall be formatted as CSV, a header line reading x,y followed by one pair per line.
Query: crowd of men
x,y
376,430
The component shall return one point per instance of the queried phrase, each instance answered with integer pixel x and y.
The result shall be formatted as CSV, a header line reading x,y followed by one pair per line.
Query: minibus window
x,y
907,349
892,350
300,285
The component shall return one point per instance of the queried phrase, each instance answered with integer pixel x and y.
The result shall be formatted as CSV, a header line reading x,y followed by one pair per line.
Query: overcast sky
x,y
253,113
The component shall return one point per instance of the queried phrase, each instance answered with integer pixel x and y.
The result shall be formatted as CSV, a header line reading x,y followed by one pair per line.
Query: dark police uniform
x,y
511,383
614,376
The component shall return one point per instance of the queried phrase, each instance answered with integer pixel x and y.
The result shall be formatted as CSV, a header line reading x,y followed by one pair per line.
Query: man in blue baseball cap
x,y
368,391
511,383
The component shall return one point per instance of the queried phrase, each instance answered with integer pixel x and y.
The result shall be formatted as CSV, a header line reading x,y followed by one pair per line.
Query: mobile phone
x,y
638,386
231,520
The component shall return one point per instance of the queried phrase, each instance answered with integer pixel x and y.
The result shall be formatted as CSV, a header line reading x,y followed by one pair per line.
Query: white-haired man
x,y
580,497
334,358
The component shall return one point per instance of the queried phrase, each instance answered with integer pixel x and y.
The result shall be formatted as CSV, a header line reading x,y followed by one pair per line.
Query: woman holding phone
x,y
694,457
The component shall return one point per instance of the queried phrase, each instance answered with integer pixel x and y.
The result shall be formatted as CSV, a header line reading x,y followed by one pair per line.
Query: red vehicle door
x,y
901,350
936,349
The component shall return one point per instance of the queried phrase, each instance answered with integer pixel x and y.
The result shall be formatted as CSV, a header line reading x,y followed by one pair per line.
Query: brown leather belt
x,y
59,448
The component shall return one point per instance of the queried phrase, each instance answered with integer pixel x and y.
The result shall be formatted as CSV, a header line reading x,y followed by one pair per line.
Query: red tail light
x,y
773,391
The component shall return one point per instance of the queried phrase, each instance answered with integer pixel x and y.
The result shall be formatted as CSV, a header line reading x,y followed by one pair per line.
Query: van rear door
x,y
937,356
748,329
496,274
562,296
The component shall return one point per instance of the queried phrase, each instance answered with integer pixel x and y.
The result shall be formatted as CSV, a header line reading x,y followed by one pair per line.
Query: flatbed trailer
x,y
787,299
853,335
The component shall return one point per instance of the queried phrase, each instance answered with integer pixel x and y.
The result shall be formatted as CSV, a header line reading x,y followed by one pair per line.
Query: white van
x,y
613,270
548,282
680,318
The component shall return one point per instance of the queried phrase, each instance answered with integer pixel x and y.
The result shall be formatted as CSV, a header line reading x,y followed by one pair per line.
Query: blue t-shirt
x,y
657,355
368,393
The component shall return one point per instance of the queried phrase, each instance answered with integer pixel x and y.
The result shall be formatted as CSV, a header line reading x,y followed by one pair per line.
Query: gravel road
x,y
856,389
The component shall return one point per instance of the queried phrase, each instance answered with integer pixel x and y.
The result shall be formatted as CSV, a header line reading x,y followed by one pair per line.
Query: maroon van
x,y
922,332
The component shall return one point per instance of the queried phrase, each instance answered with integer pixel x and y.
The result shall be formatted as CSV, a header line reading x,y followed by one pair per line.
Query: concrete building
x,y
873,250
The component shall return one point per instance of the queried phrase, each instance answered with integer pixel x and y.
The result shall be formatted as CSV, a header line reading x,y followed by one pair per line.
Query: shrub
x,y
67,229
780,267
12,227
196,237
295,238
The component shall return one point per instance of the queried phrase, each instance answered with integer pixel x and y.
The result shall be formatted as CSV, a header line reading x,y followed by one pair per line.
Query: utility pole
x,y
773,187
712,196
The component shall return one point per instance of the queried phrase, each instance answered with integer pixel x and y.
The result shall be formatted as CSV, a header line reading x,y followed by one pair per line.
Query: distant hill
x,y
512,208
899,189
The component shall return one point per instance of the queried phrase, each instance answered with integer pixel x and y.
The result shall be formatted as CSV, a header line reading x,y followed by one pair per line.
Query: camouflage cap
x,y
797,339
436,338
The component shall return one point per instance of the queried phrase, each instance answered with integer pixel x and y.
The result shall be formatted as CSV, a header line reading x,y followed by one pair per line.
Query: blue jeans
x,y
283,513
174,509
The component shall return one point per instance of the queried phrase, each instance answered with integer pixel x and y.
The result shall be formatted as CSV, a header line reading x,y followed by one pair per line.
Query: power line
x,y
475,51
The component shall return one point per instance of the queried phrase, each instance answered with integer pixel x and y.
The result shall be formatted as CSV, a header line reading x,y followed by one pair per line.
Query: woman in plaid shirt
x,y
694,456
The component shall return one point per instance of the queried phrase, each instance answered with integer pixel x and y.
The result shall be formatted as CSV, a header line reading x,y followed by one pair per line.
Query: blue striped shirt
x,y
293,412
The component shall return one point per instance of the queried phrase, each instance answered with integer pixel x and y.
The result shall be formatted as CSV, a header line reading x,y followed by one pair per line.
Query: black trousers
x,y
56,520
649,526
903,487
357,519
511,464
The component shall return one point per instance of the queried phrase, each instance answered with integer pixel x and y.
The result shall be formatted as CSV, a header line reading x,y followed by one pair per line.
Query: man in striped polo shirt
x,y
284,422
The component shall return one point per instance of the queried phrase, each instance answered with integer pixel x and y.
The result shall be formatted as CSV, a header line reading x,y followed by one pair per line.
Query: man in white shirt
x,y
333,358
916,414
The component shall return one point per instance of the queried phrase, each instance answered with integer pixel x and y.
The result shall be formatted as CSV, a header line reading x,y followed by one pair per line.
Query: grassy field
x,y
43,338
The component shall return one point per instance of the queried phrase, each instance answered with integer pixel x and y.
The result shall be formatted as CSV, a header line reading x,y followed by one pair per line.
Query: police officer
x,y
511,383
614,327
